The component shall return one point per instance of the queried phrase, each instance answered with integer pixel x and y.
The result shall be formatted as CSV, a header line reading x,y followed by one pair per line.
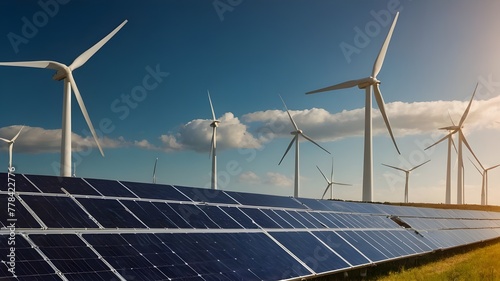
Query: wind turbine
x,y
298,132
407,172
484,185
367,84
330,182
154,170
461,140
213,149
11,146
66,72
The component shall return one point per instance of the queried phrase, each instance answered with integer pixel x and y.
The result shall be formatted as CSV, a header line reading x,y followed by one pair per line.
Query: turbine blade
x,y
309,139
453,143
331,174
451,119
493,167
397,168
381,55
462,120
84,109
338,183
15,137
288,148
464,140
211,106
328,186
323,174
343,85
419,165
5,140
154,168
475,166
442,139
85,56
381,106
35,64
287,111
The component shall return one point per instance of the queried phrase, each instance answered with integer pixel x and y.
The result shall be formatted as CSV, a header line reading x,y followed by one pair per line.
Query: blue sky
x,y
246,53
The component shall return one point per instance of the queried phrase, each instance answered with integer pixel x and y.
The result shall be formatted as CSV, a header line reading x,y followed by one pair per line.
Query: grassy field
x,y
481,264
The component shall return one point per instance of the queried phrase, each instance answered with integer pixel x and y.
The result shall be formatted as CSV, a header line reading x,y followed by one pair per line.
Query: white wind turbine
x,y
10,143
461,140
154,170
298,132
484,185
330,182
66,72
213,148
407,172
367,84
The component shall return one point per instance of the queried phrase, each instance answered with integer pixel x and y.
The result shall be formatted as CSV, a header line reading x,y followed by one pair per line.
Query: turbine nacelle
x,y
298,132
368,82
215,124
61,74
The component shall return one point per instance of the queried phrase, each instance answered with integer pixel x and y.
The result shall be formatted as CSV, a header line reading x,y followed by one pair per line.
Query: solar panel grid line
x,y
24,176
83,208
132,213
45,258
372,252
353,246
292,255
331,249
32,213
84,180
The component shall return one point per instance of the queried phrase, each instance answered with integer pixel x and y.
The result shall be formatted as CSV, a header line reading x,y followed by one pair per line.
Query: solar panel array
x,y
90,229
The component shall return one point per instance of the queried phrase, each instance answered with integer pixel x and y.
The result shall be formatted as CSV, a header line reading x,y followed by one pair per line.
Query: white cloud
x,y
249,178
278,179
40,140
197,135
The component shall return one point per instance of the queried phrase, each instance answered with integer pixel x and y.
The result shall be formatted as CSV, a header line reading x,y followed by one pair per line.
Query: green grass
x,y
481,264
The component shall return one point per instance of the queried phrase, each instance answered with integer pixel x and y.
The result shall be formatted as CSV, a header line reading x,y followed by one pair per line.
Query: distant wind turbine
x,y
10,143
298,132
66,72
461,140
367,84
154,170
213,148
407,172
330,182
484,185
74,170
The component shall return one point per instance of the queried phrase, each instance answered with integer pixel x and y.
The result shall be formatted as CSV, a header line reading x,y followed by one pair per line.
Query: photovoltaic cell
x,y
110,213
341,247
17,181
240,217
205,195
369,250
49,184
149,214
155,191
110,188
260,218
23,219
193,215
251,199
59,212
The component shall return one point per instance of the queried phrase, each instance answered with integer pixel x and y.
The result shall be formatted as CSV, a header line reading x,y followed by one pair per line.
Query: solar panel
x,y
91,229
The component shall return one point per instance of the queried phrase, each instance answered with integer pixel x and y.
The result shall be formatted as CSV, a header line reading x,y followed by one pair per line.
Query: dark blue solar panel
x,y
275,217
29,265
149,214
206,195
260,218
110,213
310,250
311,219
21,217
341,247
172,215
17,181
291,220
49,184
373,252
59,212
240,217
313,204
301,219
252,199
193,215
323,220
219,217
155,191
110,188
72,257
391,250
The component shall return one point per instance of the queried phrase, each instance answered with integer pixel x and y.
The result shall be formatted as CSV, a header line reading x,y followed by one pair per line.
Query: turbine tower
x,y
65,73
213,150
367,84
298,132
407,172
330,182
484,185
10,143
461,140
154,170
